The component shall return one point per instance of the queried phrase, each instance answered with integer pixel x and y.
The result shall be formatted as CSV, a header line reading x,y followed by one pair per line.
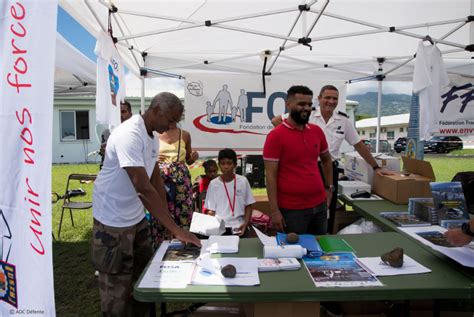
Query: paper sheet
x,y
266,240
247,272
375,266
463,255
223,244
167,274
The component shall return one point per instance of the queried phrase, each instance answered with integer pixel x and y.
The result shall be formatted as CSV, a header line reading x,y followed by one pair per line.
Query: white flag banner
x,y
110,81
27,50
456,111
232,111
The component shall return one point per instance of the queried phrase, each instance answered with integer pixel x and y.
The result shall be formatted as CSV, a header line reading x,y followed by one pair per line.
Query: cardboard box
x,y
350,187
356,168
413,182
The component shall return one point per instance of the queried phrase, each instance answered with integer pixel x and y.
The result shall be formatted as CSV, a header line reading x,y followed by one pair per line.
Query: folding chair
x,y
70,194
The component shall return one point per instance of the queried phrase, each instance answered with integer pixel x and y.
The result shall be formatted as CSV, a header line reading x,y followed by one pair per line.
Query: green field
x,y
76,286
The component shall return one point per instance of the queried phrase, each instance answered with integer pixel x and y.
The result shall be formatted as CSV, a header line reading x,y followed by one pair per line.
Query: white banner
x,y
456,114
27,51
110,81
232,111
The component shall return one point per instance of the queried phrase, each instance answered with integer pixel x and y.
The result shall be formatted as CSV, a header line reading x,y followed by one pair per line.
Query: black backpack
x,y
467,181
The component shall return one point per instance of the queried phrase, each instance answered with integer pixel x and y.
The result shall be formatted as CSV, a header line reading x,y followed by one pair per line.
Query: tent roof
x,y
74,74
347,36
384,121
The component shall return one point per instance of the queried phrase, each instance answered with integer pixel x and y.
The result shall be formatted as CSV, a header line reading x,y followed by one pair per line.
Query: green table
x,y
444,282
371,210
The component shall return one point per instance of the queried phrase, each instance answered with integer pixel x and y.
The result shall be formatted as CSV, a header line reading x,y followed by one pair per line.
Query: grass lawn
x,y
76,288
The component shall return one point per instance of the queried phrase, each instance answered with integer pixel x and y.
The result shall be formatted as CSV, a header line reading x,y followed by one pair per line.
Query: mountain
x,y
392,104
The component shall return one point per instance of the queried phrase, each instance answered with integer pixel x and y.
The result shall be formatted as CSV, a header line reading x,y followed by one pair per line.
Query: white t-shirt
x,y
217,200
115,201
429,78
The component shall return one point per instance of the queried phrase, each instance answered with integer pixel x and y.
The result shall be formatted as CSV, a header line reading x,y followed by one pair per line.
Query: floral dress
x,y
181,208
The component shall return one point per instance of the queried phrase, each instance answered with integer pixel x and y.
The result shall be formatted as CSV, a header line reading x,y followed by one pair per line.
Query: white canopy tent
x,y
332,40
75,74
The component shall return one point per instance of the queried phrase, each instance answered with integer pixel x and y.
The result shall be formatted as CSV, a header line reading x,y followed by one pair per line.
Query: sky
x,y
85,42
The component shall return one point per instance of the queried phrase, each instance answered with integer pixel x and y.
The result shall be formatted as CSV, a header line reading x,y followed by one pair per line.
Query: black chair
x,y
71,198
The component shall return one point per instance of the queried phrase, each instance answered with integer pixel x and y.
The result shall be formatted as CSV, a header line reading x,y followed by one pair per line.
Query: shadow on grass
x,y
76,287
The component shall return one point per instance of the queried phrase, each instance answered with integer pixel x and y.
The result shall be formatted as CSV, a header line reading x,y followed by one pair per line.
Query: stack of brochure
x,y
403,219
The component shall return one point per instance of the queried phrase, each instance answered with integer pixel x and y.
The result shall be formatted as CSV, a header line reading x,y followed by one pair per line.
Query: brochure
x,y
452,224
339,270
403,219
223,244
167,274
449,199
280,264
430,236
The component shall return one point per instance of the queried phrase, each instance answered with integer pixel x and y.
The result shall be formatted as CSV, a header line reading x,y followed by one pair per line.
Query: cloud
x,y
153,86
388,87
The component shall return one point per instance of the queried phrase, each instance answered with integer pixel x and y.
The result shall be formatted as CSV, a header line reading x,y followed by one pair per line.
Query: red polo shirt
x,y
299,183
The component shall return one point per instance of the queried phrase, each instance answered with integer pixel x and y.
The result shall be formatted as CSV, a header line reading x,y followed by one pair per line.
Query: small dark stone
x,y
292,237
229,271
393,258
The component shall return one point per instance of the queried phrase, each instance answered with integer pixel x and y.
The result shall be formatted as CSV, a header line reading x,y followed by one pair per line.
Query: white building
x,y
76,136
391,127
394,127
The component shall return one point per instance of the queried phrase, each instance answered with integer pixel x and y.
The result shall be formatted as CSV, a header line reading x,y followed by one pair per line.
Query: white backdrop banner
x,y
456,113
232,111
27,50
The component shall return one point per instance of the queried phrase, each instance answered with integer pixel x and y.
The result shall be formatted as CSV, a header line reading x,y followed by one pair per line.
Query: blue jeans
x,y
310,221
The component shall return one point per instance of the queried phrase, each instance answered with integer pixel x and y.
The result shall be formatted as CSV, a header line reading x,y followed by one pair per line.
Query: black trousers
x,y
332,205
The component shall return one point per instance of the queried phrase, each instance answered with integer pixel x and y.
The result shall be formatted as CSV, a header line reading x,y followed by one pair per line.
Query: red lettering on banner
x,y
14,14
35,224
16,32
23,112
26,136
20,66
20,61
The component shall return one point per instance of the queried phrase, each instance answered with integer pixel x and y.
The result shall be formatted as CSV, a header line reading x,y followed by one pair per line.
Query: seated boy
x,y
211,170
229,196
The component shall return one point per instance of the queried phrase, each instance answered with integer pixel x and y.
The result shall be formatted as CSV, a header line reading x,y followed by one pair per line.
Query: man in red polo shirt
x,y
298,198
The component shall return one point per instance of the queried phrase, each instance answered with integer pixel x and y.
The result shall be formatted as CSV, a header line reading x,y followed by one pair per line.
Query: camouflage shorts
x,y
120,255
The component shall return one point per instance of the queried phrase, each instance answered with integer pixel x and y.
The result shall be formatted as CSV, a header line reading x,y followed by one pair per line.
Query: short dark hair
x,y
208,164
327,87
299,90
127,104
227,154
166,101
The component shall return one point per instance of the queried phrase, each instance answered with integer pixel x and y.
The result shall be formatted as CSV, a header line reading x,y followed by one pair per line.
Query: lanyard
x,y
232,205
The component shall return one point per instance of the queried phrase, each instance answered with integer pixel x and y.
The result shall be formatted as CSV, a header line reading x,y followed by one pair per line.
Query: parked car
x,y
400,145
384,146
443,144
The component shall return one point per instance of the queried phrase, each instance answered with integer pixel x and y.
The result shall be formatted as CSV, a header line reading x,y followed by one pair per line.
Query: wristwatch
x,y
466,229
330,188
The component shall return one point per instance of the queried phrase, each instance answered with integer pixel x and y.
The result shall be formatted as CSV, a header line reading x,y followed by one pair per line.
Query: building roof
x,y
398,119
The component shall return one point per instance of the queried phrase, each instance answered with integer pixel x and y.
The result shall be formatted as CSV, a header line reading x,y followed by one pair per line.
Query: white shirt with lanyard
x,y
229,199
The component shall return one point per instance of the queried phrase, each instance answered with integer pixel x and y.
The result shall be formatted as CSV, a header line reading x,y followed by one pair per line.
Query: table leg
x,y
282,309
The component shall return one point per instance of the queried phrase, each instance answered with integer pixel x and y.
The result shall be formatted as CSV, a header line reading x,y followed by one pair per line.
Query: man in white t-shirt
x,y
337,127
129,182
229,196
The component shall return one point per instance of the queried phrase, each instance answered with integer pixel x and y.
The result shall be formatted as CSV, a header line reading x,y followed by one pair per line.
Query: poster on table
x,y
28,32
233,111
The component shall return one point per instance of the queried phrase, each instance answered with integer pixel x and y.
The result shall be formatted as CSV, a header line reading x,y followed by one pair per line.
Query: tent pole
x,y
379,106
142,99
471,26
